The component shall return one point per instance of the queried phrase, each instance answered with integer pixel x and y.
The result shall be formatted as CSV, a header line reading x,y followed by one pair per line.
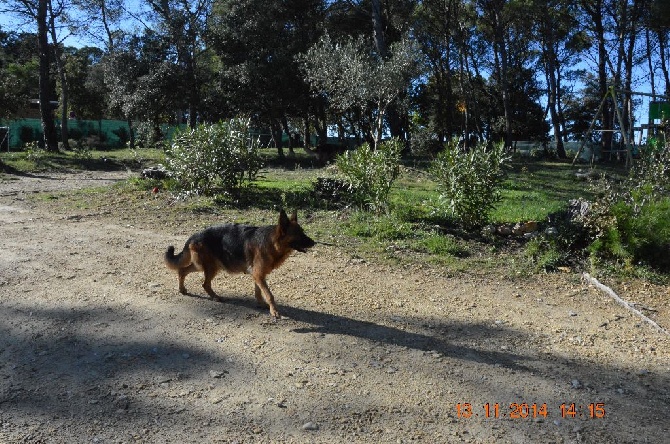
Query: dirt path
x,y
97,345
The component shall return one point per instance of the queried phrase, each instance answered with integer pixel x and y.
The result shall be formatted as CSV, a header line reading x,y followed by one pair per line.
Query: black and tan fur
x,y
238,248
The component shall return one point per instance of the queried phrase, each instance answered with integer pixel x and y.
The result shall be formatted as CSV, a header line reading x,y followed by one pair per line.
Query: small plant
x,y
210,156
370,173
34,152
330,189
444,246
81,150
469,181
382,228
548,252
635,236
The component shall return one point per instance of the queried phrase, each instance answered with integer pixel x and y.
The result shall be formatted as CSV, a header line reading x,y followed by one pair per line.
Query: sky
x,y
10,22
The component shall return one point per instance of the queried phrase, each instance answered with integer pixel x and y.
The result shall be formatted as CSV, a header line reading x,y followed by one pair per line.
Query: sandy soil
x,y
97,345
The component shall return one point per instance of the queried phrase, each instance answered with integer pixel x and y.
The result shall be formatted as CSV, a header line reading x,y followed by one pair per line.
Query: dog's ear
x,y
294,217
283,220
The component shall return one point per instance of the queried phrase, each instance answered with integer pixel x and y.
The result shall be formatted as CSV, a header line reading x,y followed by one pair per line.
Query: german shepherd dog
x,y
239,248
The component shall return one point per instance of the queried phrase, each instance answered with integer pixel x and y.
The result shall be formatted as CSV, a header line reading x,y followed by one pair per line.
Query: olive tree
x,y
351,76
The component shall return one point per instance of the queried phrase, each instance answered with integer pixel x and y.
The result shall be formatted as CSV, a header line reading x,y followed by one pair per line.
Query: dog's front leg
x,y
262,285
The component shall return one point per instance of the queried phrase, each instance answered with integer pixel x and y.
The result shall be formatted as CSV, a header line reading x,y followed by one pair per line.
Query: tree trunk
x,y
63,80
307,144
650,61
132,133
596,13
551,67
378,29
500,54
662,45
277,136
378,25
46,112
291,138
193,92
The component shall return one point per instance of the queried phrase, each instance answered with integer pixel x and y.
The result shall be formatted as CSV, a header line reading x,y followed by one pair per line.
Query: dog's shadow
x,y
242,302
310,321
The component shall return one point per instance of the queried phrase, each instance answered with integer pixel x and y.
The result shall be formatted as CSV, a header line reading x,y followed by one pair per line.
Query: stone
x,y
310,426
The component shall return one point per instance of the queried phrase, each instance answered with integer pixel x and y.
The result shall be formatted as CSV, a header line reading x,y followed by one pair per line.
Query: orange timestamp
x,y
521,410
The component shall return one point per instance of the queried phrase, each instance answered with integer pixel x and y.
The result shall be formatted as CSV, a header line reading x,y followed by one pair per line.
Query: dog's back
x,y
229,244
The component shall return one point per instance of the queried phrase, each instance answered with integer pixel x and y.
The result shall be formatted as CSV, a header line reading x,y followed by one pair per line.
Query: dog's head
x,y
292,234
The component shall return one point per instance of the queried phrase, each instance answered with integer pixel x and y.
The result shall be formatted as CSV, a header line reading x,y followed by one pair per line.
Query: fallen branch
x,y
587,277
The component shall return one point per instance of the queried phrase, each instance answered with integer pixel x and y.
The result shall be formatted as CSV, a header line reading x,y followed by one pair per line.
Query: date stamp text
x,y
522,410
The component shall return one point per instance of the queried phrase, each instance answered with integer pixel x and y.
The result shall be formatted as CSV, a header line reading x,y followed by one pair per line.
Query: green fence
x,y
105,133
99,134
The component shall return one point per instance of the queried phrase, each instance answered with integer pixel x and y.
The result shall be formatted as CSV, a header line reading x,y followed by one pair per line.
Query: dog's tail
x,y
181,260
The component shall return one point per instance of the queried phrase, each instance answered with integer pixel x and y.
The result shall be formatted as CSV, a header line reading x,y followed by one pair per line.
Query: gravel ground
x,y
97,345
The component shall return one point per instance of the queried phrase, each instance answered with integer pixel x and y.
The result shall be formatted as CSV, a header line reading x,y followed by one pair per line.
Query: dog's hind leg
x,y
204,261
183,272
210,272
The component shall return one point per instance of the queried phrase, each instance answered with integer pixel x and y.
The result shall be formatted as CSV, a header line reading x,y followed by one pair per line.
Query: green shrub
x,y
148,135
371,173
469,181
208,157
633,236
425,141
630,224
27,134
80,150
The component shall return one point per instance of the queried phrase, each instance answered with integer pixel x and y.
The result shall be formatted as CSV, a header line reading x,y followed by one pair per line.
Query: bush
x,y
80,149
633,236
27,134
565,243
469,181
210,156
630,224
147,135
444,246
370,173
425,142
